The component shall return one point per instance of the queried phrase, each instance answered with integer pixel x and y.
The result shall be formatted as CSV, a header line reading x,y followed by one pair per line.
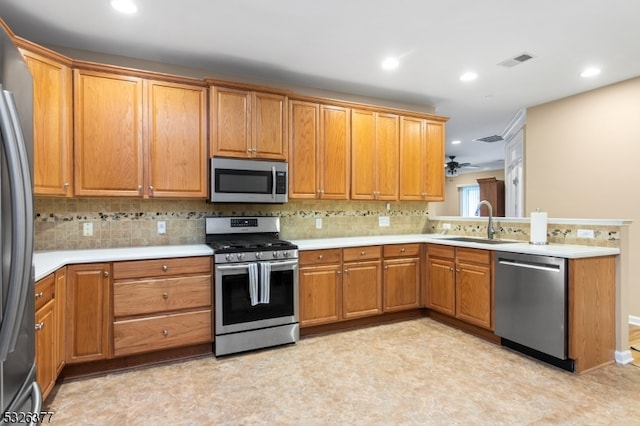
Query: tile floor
x,y
412,372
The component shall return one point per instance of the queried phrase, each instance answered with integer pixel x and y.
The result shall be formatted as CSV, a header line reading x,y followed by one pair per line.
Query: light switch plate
x,y
383,221
162,227
87,229
586,233
319,223
446,226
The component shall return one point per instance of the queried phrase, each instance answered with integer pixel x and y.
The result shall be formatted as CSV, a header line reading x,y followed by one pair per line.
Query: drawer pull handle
x,y
165,332
39,326
165,267
320,257
165,296
39,295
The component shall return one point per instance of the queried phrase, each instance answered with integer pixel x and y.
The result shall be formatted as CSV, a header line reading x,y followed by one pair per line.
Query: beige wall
x,y
581,161
451,205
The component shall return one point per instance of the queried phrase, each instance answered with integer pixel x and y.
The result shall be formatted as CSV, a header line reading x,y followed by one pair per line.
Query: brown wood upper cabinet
x,y
374,155
248,124
136,137
319,151
421,159
52,118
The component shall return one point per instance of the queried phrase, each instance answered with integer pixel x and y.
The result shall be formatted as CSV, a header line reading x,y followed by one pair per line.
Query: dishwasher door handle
x,y
551,268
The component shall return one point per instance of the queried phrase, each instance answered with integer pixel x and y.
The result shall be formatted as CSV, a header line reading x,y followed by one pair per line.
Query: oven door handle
x,y
285,263
233,267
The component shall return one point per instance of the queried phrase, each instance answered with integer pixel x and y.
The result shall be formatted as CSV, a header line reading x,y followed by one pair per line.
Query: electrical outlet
x,y
87,229
319,223
586,233
446,226
383,221
162,227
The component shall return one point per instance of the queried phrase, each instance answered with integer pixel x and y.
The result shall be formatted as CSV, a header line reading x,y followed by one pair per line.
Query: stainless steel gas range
x,y
256,284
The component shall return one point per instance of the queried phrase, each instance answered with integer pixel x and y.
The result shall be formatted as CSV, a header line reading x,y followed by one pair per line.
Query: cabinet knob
x,y
165,332
346,271
451,269
320,256
165,267
457,270
39,326
165,296
362,253
39,295
386,267
105,274
338,272
402,250
151,188
65,185
139,188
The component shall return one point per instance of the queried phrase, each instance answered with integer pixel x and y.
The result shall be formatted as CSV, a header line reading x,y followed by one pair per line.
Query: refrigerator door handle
x,y
16,295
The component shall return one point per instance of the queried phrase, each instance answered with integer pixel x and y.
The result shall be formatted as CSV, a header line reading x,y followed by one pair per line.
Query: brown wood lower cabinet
x,y
362,282
45,335
402,277
460,283
88,312
320,286
161,303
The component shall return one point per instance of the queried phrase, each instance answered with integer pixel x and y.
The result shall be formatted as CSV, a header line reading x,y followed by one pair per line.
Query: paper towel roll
x,y
538,229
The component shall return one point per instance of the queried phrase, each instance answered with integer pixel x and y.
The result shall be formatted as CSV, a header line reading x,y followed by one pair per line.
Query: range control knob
x,y
229,257
240,256
258,255
286,254
275,254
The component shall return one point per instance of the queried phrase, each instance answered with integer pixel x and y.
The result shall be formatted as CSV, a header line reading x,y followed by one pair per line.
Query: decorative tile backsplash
x,y
128,223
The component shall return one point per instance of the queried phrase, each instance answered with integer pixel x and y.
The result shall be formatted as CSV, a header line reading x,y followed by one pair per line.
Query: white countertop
x,y
559,250
46,262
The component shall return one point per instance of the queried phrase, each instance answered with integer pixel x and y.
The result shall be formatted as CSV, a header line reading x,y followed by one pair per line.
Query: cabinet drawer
x,y
361,253
473,255
161,295
166,331
397,250
45,290
161,267
435,250
316,257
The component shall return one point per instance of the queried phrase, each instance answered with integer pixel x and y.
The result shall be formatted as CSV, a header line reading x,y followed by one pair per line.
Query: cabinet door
x,y
401,284
412,159
176,145
386,156
45,347
335,152
52,142
361,289
304,163
441,285
473,294
269,124
60,337
434,159
363,155
320,294
88,312
231,123
107,134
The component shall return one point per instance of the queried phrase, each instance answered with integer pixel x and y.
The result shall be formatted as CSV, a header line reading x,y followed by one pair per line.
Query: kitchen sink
x,y
479,240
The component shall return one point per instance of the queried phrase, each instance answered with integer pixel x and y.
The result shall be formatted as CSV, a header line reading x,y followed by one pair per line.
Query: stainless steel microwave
x,y
248,181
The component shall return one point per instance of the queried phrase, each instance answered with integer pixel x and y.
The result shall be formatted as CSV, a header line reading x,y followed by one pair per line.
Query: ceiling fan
x,y
453,166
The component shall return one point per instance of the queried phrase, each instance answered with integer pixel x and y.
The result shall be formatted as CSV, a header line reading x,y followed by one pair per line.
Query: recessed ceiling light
x,y
390,63
124,6
590,72
468,76
455,142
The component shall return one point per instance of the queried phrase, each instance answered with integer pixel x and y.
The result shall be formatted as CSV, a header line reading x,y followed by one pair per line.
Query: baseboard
x,y
624,357
633,320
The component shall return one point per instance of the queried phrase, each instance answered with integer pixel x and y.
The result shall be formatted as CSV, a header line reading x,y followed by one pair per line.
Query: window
x,y
469,199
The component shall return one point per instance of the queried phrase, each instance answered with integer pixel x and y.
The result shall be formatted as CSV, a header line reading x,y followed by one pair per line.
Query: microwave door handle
x,y
273,183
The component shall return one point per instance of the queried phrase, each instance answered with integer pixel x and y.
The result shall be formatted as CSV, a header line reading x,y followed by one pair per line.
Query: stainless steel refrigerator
x,y
19,391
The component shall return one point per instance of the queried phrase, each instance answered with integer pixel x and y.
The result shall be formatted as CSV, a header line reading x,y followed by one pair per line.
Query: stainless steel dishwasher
x,y
531,305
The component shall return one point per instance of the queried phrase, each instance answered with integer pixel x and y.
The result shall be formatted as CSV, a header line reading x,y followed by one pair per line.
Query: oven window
x,y
236,304
243,181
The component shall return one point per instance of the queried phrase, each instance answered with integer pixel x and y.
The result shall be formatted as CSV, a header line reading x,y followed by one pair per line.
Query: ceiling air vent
x,y
517,60
489,139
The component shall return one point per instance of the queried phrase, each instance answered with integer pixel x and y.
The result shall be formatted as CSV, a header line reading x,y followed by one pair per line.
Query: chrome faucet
x,y
490,230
